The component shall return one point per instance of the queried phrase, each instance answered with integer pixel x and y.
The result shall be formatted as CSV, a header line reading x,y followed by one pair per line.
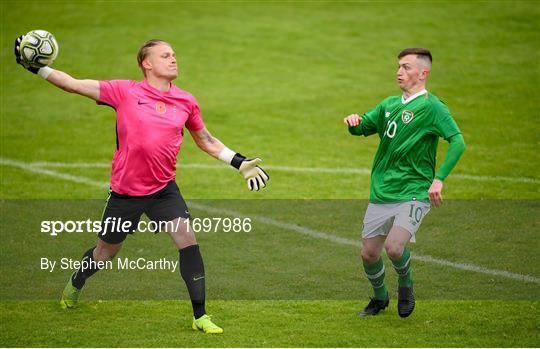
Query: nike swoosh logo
x,y
139,103
196,279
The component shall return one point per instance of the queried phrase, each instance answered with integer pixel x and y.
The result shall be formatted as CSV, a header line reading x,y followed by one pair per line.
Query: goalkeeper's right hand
x,y
18,56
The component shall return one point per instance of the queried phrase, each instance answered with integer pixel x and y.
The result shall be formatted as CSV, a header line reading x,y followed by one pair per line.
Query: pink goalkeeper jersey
x,y
149,133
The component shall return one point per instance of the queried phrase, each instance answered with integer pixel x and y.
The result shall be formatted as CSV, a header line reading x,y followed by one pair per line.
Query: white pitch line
x,y
36,169
70,164
338,170
356,243
282,225
478,269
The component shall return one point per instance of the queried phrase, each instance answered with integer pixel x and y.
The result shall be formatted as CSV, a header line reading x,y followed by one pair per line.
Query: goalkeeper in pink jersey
x,y
150,118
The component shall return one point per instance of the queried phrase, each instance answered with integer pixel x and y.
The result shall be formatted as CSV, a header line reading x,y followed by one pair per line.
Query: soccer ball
x,y
39,48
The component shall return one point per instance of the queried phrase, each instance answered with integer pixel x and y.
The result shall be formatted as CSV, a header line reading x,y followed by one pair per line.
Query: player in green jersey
x,y
404,183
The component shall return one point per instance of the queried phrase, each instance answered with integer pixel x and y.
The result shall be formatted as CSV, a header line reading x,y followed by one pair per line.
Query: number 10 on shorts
x,y
416,213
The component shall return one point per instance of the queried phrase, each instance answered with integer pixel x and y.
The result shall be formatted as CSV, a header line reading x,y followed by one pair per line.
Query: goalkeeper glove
x,y
255,176
18,56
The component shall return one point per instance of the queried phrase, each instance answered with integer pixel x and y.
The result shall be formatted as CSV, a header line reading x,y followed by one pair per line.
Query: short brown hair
x,y
422,52
144,51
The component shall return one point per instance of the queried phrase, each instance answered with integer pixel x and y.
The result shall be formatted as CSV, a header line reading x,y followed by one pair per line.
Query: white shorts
x,y
380,218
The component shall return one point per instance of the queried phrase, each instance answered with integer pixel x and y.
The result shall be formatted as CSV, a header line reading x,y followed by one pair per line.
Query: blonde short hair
x,y
144,51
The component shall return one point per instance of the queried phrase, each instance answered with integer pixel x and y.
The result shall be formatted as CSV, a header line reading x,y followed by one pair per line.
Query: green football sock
x,y
403,268
375,275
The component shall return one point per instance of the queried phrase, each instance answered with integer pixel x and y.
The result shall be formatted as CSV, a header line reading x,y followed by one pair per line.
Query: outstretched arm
x,y
455,150
208,143
87,88
255,176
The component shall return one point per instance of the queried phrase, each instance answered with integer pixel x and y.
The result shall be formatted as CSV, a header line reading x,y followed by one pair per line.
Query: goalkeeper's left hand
x,y
255,176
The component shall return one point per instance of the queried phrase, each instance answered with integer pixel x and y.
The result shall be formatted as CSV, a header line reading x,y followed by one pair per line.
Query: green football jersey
x,y
404,166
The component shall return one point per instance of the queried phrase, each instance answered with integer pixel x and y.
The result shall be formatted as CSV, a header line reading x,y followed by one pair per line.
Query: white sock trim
x,y
226,155
45,72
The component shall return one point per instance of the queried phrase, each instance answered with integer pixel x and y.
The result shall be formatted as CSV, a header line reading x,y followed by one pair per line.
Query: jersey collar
x,y
405,101
154,90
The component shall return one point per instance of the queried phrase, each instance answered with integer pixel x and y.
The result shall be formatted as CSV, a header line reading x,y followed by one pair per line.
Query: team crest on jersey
x,y
407,116
160,107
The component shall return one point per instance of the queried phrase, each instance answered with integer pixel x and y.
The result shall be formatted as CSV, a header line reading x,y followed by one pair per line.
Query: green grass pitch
x,y
275,79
